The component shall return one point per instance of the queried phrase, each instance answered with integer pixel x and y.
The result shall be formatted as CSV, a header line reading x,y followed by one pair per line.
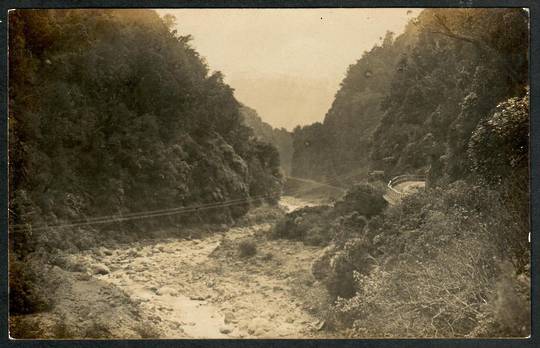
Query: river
x,y
203,288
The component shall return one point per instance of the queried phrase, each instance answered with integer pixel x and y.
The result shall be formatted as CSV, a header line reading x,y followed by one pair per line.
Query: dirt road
x,y
408,187
203,288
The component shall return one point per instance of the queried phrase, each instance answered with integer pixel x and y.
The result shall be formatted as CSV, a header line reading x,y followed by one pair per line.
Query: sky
x,y
286,63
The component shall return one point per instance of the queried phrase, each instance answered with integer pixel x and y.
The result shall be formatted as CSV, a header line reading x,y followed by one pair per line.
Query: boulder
x,y
166,290
225,330
101,269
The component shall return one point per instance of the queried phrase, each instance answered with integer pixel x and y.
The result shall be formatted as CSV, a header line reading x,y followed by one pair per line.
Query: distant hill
x,y
340,144
279,137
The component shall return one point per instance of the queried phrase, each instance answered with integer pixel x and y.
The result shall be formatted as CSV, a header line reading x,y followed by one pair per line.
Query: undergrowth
x,y
443,263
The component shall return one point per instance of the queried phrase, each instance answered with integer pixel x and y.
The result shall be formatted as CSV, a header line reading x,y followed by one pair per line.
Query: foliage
x,y
365,199
413,102
464,63
247,247
25,294
346,219
452,261
443,263
499,146
308,224
264,213
112,112
338,146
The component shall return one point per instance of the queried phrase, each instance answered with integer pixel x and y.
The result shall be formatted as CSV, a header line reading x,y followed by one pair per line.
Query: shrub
x,y
437,273
348,227
336,266
147,330
500,143
61,329
309,224
262,214
507,311
27,293
26,327
97,329
365,199
247,248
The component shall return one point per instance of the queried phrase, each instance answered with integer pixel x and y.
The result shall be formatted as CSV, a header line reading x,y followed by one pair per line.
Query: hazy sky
x,y
286,63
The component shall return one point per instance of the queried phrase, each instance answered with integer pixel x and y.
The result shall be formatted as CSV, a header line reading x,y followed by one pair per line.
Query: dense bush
x,y
338,146
443,263
337,266
107,125
452,100
499,145
25,290
413,102
264,213
347,219
247,248
365,199
32,283
499,156
308,224
113,112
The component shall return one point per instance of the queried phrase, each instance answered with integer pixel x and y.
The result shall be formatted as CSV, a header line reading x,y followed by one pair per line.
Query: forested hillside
x,y
340,145
112,112
279,137
411,104
465,63
454,259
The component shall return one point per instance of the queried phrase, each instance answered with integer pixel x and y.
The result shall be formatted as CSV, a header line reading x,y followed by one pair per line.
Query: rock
x,y
166,290
258,332
197,298
77,267
229,318
83,277
225,330
134,253
101,269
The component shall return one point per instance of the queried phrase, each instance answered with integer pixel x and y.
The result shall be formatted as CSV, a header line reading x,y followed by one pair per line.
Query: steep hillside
x,y
112,112
279,137
340,145
465,63
412,104
454,259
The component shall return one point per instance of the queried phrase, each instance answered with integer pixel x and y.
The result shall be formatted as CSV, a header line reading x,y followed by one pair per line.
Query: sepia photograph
x,y
269,173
